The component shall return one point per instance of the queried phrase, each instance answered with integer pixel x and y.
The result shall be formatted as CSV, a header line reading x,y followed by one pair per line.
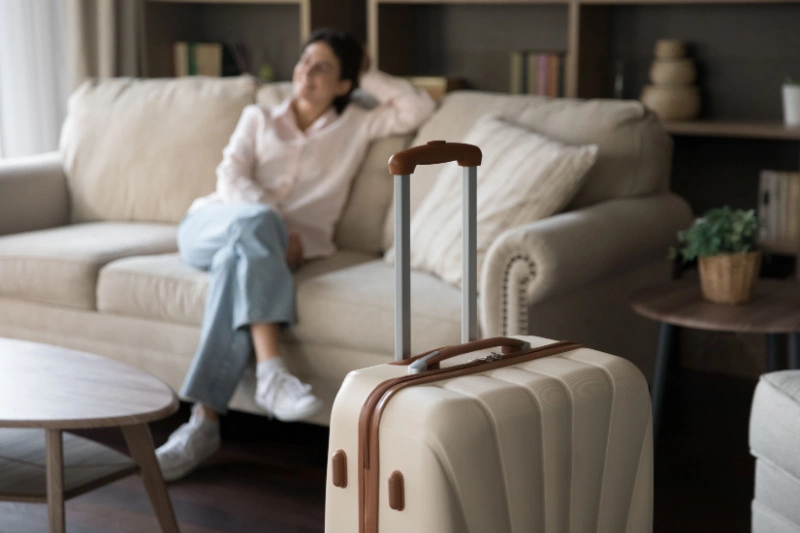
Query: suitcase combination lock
x,y
494,356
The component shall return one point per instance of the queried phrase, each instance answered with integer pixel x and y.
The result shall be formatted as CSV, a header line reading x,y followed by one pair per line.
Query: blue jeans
x,y
243,246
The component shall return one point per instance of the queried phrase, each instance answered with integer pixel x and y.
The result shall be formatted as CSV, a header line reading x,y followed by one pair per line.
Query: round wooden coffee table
x,y
774,311
45,390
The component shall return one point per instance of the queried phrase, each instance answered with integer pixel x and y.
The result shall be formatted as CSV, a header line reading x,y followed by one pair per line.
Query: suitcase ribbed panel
x,y
561,444
629,434
766,520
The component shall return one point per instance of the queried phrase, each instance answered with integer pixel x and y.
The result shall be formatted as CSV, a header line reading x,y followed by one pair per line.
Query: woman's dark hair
x,y
350,54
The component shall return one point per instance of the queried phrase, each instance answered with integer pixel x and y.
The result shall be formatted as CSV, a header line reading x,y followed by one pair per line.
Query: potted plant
x,y
791,102
725,243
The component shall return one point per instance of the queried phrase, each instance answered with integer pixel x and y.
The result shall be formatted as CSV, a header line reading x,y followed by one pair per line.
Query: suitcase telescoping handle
x,y
402,165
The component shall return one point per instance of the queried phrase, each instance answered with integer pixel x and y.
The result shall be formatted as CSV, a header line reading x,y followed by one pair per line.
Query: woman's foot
x,y
283,395
189,445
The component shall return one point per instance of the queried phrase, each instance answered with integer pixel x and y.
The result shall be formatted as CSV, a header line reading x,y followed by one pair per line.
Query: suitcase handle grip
x,y
433,153
431,360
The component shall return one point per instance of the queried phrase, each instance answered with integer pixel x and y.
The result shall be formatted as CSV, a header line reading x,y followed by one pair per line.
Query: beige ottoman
x,y
775,443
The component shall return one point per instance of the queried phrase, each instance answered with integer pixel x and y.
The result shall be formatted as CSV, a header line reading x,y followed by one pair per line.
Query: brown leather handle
x,y
433,153
507,344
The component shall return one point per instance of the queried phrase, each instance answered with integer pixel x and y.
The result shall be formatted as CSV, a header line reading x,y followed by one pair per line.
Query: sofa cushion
x,y
60,265
163,287
273,94
143,150
634,155
360,227
524,177
354,308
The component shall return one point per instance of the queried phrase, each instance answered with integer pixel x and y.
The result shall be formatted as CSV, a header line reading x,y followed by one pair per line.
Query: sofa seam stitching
x,y
522,293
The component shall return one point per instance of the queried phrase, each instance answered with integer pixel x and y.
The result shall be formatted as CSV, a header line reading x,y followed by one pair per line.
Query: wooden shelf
x,y
87,465
681,2
578,2
266,2
742,130
474,2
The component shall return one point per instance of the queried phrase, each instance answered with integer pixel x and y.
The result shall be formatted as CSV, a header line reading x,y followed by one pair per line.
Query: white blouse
x,y
306,175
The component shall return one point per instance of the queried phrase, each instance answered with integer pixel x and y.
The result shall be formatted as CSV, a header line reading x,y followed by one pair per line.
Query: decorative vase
x,y
729,278
670,49
791,104
679,71
672,95
672,102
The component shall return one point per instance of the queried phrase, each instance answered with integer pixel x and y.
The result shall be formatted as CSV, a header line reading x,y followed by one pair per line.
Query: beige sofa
x,y
87,245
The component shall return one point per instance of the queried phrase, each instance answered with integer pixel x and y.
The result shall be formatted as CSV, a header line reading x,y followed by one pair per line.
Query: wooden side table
x,y
774,311
45,390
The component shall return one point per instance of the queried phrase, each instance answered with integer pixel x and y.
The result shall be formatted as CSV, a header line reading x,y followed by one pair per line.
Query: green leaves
x,y
719,231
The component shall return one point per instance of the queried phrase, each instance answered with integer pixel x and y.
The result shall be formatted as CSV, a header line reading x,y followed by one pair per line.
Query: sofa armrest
x,y
33,193
571,250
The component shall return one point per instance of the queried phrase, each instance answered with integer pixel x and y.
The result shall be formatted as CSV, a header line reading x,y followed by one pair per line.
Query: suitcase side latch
x,y
397,497
339,469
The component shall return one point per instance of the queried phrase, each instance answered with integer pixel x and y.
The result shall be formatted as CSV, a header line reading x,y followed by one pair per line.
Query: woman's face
x,y
316,75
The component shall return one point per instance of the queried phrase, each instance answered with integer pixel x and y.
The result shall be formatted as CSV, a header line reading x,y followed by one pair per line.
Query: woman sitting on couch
x,y
281,186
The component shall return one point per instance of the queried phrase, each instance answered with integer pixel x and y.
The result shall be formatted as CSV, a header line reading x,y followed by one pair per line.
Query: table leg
x,y
140,446
773,352
794,351
666,344
55,480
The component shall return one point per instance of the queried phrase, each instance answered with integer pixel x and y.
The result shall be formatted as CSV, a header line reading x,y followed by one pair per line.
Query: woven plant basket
x,y
729,278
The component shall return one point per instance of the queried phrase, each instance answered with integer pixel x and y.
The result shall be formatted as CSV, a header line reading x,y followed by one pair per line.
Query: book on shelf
x,y
779,211
208,59
437,86
538,73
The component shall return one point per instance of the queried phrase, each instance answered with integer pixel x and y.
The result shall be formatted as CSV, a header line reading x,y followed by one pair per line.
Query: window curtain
x,y
104,39
47,49
32,76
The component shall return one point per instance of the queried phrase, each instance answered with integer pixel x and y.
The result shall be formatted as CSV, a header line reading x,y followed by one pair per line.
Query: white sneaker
x,y
283,395
188,446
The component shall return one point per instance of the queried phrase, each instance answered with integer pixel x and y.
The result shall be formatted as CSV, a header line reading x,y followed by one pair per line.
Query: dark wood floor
x,y
270,477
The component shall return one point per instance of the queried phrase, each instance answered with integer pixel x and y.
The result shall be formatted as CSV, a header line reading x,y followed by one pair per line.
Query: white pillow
x,y
524,177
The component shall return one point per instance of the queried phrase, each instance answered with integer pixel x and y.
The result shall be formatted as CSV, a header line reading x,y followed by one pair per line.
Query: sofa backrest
x,y
360,227
634,156
144,149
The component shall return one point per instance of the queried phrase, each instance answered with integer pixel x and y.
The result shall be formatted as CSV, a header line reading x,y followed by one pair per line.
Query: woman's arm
x,y
402,107
235,173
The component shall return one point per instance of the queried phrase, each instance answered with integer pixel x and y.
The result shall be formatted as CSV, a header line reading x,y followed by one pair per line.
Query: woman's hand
x,y
294,251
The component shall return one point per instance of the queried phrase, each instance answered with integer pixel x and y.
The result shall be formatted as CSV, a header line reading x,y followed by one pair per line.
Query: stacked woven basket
x,y
672,95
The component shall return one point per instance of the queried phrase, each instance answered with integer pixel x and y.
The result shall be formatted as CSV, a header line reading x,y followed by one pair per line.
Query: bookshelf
x,y
470,38
594,34
271,31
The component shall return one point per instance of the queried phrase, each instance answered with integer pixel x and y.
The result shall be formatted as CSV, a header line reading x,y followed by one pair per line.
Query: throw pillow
x,y
524,177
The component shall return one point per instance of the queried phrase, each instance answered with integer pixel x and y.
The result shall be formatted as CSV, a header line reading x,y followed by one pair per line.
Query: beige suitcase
x,y
499,435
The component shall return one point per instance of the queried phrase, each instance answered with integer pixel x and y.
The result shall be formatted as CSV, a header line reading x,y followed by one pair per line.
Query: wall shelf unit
x,y
472,39
594,34
271,31
741,130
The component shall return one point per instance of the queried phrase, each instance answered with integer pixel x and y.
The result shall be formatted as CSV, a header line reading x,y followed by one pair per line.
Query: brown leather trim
x,y
339,469
432,153
508,345
371,412
397,496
